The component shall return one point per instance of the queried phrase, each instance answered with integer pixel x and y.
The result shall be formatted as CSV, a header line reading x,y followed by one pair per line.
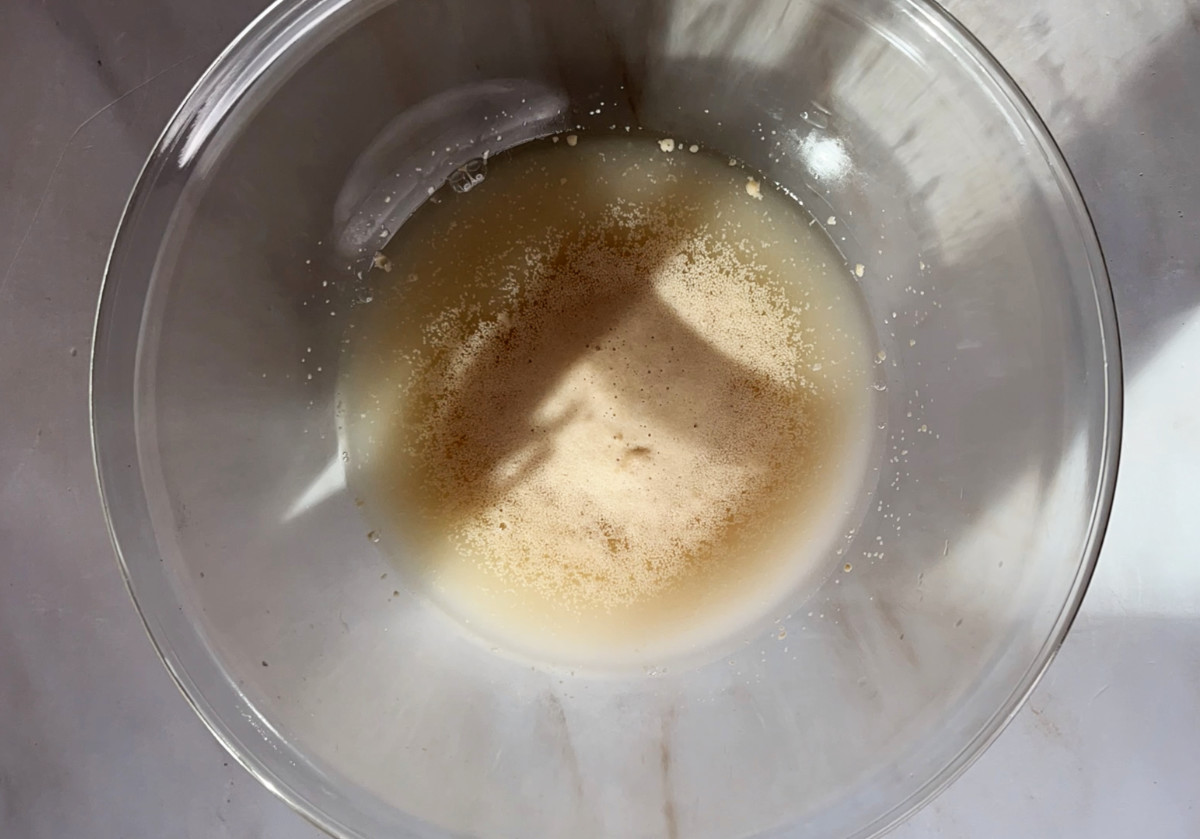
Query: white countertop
x,y
96,740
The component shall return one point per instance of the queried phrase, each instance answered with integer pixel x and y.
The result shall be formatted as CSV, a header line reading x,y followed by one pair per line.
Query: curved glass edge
x,y
969,47
268,37
265,39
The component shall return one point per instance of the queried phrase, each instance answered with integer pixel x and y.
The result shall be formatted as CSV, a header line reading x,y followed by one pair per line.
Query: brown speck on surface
x,y
670,818
556,718
1045,725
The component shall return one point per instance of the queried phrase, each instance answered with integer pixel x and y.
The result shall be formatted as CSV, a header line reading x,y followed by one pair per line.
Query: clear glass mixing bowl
x,y
365,708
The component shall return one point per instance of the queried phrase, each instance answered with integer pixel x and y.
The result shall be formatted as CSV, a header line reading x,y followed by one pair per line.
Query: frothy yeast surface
x,y
610,405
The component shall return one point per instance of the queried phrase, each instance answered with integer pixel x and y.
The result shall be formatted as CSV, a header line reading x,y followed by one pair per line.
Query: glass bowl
x,y
216,417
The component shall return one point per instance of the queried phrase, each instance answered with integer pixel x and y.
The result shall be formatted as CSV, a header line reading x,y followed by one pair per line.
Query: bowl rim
x,y
236,70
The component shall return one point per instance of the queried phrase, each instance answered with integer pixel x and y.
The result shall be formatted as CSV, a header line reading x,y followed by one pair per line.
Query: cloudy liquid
x,y
610,405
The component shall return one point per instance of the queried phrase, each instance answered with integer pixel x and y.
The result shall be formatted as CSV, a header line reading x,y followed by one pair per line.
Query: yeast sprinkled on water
x,y
610,404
